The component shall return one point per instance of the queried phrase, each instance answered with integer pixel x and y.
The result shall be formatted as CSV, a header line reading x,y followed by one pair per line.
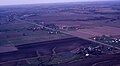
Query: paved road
x,y
73,34
65,32
80,36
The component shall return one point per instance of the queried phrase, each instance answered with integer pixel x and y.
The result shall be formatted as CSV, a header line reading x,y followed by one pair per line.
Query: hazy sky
x,y
13,2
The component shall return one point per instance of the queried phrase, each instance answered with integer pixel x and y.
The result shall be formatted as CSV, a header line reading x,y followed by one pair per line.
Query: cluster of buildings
x,y
88,51
99,50
106,39
43,28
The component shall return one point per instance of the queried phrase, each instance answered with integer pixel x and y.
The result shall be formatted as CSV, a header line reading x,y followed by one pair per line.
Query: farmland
x,y
60,34
21,33
56,52
97,31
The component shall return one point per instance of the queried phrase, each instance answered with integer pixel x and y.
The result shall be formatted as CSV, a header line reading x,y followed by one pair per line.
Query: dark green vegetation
x,y
21,33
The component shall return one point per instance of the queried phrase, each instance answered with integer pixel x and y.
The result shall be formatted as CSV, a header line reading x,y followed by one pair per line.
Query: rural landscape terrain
x,y
60,34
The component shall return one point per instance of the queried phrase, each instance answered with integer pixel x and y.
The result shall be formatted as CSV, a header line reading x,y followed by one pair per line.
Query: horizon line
x,y
55,3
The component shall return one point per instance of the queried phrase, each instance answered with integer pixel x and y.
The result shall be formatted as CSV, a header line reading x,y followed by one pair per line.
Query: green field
x,y
23,33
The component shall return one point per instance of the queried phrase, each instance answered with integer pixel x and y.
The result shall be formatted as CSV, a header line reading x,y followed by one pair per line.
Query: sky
x,y
15,2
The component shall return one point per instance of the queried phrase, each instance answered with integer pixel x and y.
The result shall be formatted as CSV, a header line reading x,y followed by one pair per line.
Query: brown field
x,y
97,31
92,19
